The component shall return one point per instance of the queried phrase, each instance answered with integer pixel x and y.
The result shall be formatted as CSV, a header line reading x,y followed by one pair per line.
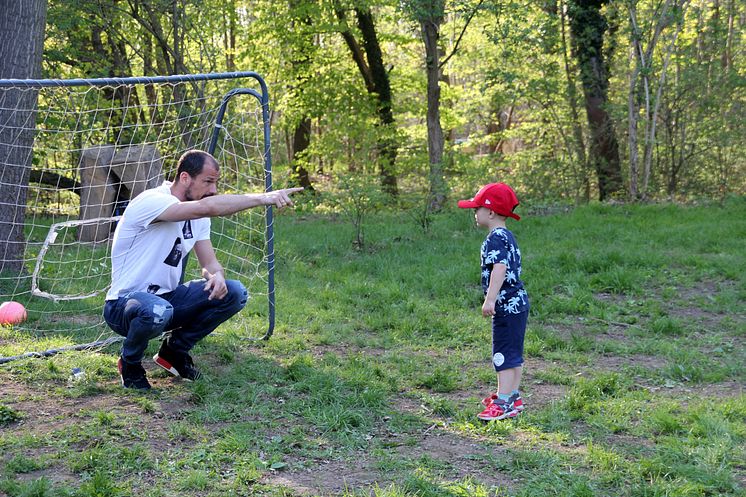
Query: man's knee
x,y
237,294
150,314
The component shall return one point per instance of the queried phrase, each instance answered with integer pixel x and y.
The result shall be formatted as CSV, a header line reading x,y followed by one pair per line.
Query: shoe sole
x,y
498,418
136,389
119,368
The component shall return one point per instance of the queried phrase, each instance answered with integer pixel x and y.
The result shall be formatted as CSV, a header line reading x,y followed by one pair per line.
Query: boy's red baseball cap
x,y
497,197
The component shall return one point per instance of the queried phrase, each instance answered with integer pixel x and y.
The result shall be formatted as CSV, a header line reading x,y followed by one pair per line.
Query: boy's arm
x,y
497,276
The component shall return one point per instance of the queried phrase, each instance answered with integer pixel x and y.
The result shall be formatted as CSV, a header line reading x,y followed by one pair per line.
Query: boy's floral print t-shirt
x,y
500,247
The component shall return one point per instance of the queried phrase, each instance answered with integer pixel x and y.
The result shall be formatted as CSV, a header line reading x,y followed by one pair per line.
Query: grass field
x,y
633,382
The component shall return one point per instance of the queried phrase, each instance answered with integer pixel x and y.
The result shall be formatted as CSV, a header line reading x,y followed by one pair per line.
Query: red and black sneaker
x,y
133,375
489,399
499,409
178,364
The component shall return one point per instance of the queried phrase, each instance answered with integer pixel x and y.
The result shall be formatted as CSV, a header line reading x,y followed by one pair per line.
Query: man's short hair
x,y
193,162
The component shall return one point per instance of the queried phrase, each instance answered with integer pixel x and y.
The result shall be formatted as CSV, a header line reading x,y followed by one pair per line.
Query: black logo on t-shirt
x,y
174,257
153,289
187,230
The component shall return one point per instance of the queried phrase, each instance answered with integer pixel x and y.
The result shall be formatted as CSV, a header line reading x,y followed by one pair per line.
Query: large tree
x,y
369,60
588,26
301,49
430,14
21,43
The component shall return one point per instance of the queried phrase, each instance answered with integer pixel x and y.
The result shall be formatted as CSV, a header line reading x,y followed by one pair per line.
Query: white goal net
x,y
73,153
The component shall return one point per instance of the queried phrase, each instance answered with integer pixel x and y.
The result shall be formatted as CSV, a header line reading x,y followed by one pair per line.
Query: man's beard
x,y
188,195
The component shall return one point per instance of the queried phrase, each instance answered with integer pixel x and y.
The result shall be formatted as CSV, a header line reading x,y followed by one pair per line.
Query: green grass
x,y
380,356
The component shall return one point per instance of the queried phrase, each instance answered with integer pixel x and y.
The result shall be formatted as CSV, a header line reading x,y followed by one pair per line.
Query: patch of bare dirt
x,y
56,476
685,306
465,457
44,412
616,363
460,457
332,478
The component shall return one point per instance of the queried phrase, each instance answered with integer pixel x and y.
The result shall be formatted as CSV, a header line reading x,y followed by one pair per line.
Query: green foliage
x,y
441,380
511,101
23,464
101,485
8,415
587,394
666,326
356,197
40,487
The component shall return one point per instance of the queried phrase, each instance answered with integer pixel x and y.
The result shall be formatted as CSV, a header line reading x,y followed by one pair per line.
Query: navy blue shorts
x,y
508,333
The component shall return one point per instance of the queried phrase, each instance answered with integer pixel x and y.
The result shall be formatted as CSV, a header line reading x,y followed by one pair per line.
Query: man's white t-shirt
x,y
148,256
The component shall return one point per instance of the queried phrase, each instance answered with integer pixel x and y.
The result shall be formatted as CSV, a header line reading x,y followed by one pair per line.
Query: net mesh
x,y
73,156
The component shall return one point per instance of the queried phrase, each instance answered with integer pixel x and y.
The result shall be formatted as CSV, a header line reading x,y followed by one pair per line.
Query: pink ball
x,y
12,313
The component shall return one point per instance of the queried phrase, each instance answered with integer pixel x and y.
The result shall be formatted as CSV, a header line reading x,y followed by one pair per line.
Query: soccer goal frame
x,y
258,91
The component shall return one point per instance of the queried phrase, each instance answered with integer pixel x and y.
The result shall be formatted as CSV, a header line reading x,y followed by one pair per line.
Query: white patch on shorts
x,y
498,359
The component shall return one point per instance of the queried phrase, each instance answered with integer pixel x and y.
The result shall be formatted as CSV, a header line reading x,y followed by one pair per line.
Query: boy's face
x,y
482,215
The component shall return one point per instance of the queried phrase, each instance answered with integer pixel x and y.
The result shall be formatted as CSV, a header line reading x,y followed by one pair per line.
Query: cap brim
x,y
467,204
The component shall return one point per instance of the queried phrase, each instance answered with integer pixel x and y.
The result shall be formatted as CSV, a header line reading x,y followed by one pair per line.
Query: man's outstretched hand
x,y
281,198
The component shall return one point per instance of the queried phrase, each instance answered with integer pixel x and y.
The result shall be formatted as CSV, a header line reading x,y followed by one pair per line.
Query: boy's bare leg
x,y
517,377
509,380
505,381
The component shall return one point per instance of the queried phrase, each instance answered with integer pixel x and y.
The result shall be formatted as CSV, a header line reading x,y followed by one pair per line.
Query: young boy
x,y
505,299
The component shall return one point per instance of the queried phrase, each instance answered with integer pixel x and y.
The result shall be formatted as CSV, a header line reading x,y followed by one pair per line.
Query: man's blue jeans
x,y
186,311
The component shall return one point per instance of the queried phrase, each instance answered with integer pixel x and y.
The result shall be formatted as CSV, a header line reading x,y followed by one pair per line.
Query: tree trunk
x,y
430,14
650,138
56,181
149,70
588,26
728,53
229,35
435,140
114,60
377,83
170,56
21,43
301,61
643,68
633,115
301,141
387,146
572,97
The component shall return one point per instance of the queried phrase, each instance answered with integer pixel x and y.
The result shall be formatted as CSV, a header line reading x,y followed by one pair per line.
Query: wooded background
x,y
566,99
